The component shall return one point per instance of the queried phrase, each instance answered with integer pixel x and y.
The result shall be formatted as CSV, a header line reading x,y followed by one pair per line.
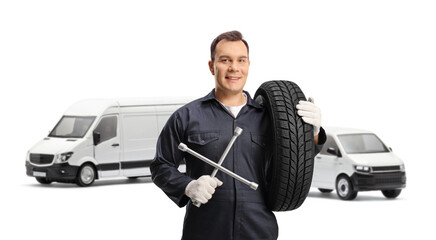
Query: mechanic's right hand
x,y
202,188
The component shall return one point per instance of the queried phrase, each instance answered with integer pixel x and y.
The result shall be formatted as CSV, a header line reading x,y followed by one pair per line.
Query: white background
x,y
368,64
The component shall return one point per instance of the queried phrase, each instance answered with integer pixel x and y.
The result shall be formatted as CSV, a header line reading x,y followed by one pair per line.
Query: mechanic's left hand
x,y
310,113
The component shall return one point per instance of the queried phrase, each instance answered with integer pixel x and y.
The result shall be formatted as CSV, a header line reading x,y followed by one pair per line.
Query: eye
x,y
224,60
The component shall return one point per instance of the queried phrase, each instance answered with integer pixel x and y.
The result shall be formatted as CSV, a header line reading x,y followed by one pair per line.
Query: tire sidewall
x,y
86,175
274,166
345,188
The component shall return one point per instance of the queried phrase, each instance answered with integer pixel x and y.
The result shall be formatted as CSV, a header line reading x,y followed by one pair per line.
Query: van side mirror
x,y
333,151
96,138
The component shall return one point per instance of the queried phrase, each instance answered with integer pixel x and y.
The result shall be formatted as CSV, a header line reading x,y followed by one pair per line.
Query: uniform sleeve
x,y
166,161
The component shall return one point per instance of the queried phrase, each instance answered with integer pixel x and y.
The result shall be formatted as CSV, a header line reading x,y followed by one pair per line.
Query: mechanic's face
x,y
230,67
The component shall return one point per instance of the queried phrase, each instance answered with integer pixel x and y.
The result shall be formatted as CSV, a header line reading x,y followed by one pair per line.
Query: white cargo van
x,y
101,138
355,160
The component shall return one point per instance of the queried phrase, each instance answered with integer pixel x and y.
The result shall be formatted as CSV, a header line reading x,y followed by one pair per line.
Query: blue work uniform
x,y
235,211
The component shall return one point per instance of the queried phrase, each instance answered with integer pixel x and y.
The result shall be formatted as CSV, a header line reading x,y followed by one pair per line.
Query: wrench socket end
x,y
183,147
237,131
253,185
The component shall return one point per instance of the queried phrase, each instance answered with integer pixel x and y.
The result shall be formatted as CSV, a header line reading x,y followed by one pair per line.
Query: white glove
x,y
202,188
310,113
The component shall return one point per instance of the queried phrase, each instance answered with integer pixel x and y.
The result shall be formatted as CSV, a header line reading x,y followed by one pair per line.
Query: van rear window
x,y
362,143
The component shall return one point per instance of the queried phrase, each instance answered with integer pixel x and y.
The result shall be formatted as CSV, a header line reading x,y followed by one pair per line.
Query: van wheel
x,y
86,175
345,189
392,193
290,172
43,180
324,190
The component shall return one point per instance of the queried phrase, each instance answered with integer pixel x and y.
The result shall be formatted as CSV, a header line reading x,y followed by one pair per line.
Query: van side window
x,y
107,128
329,143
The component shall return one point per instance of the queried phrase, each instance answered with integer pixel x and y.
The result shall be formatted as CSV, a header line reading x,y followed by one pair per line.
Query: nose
x,y
233,67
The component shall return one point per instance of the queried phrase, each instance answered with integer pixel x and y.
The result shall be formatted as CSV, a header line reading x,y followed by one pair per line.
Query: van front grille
x,y
379,180
386,169
41,158
387,179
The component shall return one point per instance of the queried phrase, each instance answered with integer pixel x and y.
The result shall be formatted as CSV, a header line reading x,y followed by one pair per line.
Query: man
x,y
206,125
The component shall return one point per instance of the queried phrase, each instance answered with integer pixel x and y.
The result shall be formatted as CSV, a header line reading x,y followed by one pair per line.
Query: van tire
x,y
290,172
392,193
345,188
43,180
325,190
86,175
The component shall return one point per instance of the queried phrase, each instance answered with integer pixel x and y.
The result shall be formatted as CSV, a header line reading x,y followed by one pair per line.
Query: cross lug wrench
x,y
218,166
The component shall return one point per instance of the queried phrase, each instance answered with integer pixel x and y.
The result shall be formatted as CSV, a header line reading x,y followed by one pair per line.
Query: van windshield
x,y
72,127
362,143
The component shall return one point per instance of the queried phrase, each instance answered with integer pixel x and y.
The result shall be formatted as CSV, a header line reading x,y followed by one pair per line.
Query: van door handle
x,y
318,157
115,145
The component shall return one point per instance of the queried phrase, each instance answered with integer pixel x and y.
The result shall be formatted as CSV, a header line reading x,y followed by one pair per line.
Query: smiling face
x,y
230,67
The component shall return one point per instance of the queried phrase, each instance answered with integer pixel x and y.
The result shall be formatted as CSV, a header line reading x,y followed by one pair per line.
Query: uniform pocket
x,y
258,140
258,153
204,143
203,138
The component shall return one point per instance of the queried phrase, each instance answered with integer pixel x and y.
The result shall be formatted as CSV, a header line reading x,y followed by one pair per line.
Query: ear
x,y
211,67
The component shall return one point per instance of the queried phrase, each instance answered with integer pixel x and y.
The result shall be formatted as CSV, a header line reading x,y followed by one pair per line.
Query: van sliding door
x,y
140,132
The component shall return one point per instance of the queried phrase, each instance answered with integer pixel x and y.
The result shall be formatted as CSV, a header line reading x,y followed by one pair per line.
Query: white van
x,y
355,160
101,138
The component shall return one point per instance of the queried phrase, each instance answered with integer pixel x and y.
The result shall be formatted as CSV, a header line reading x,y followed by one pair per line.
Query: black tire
x,y
345,188
43,180
324,190
290,172
392,193
86,175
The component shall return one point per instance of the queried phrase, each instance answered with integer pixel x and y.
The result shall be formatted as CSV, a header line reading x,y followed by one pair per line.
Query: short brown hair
x,y
229,36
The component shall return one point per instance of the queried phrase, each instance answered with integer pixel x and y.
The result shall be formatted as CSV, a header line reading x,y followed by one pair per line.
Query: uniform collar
x,y
250,101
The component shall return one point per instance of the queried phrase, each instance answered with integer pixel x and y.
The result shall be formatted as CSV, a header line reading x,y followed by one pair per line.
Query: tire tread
x,y
293,145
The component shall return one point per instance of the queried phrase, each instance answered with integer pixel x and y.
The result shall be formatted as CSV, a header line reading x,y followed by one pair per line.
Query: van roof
x,y
340,130
96,107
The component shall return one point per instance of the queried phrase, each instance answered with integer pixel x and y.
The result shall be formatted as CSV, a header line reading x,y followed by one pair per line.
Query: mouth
x,y
233,78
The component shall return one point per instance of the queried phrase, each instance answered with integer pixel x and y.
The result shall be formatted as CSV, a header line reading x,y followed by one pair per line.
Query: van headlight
x,y
402,167
361,168
62,158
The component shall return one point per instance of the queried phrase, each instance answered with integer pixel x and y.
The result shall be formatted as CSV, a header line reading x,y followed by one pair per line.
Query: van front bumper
x,y
62,172
378,181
